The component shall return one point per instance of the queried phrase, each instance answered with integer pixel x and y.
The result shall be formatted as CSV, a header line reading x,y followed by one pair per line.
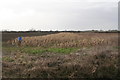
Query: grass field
x,y
61,55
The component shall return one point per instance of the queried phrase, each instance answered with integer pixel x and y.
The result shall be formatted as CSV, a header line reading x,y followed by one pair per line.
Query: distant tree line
x,y
33,30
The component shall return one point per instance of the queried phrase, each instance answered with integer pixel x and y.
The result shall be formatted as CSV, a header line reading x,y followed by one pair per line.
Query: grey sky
x,y
58,14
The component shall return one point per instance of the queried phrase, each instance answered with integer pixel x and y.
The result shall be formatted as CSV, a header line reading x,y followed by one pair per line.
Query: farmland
x,y
60,55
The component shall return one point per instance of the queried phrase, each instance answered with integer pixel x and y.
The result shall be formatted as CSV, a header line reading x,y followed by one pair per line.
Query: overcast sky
x,y
58,14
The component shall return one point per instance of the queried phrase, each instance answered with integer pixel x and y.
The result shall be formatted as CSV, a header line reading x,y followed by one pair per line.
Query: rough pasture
x,y
96,56
64,40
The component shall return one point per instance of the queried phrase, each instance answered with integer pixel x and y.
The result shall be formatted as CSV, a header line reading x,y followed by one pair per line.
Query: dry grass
x,y
63,40
98,62
97,57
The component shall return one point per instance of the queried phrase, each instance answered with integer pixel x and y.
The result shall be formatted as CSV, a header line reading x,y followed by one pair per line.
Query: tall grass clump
x,y
64,40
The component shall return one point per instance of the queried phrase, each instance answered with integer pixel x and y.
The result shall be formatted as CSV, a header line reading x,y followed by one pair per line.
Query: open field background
x,y
11,35
60,55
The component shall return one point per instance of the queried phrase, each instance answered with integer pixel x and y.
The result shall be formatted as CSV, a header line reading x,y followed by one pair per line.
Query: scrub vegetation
x,y
62,55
